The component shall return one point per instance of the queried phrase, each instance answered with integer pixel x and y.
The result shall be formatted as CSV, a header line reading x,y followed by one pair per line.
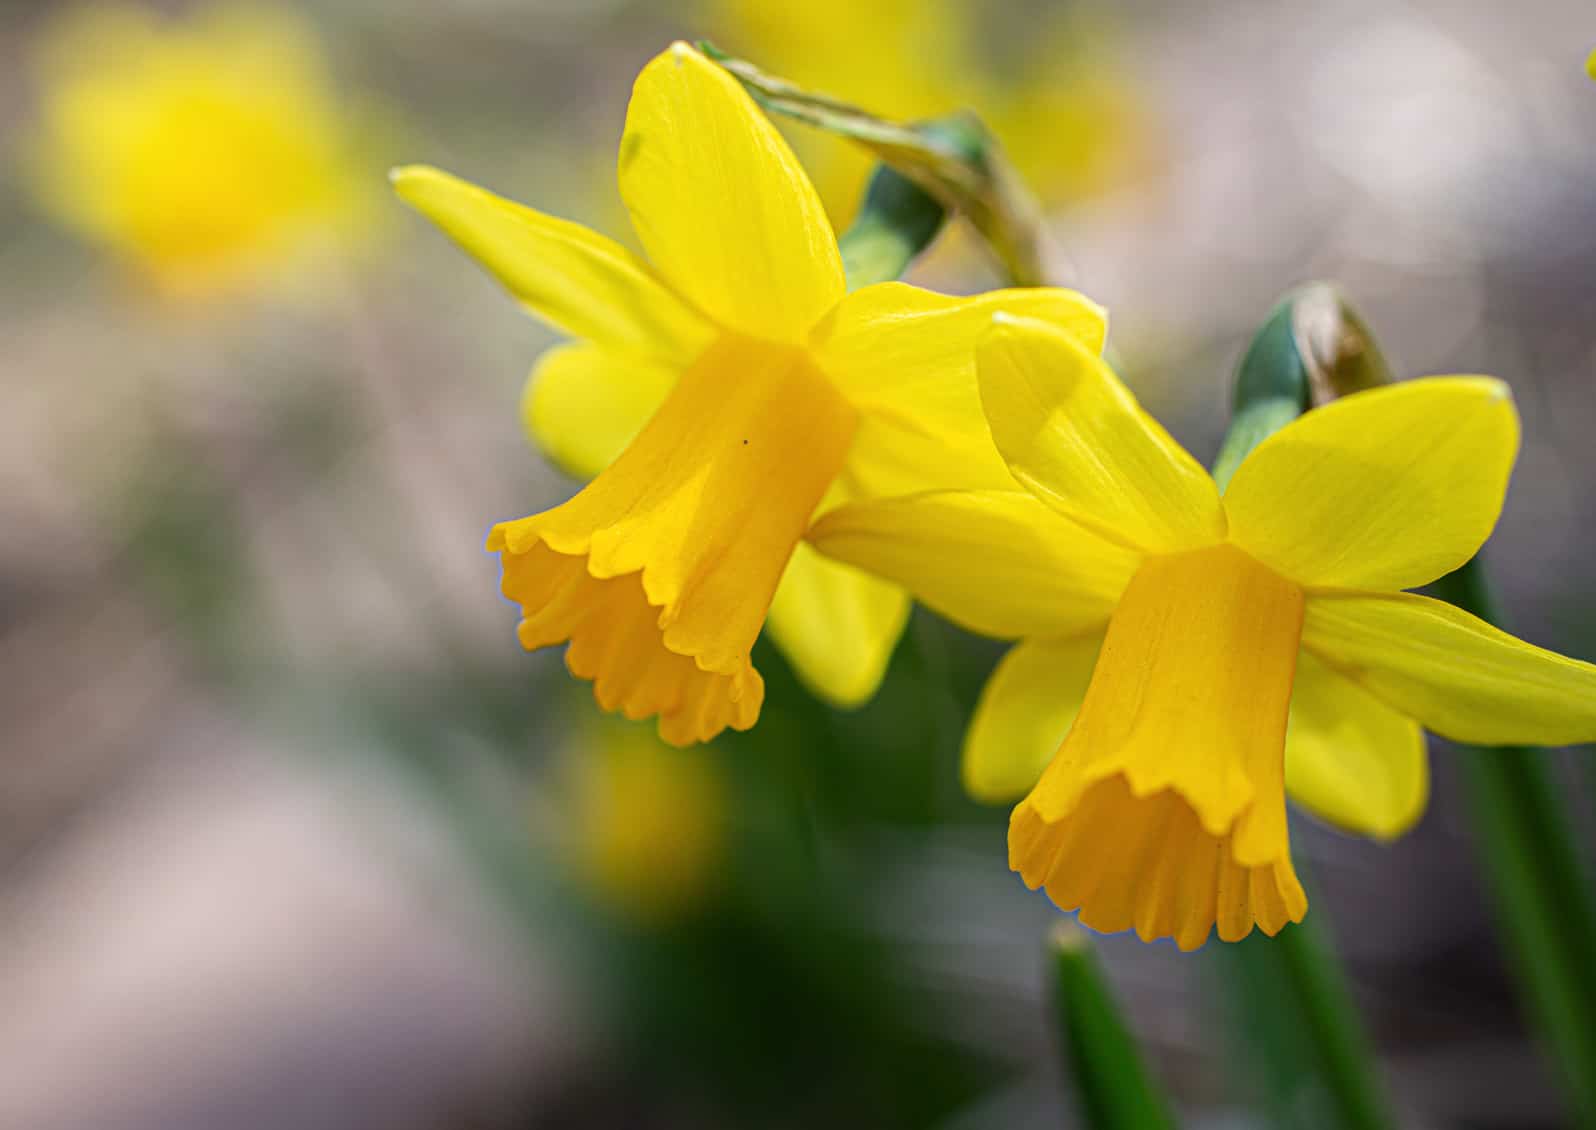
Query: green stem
x,y
1542,899
1329,1013
896,221
1295,974
1113,1085
1312,348
1300,1030
954,159
1272,389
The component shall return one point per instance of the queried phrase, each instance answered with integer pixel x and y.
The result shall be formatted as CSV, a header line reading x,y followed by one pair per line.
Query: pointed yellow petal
x,y
1453,672
1026,708
837,625
996,562
1164,808
583,404
1075,436
1351,760
721,204
571,277
906,358
1385,489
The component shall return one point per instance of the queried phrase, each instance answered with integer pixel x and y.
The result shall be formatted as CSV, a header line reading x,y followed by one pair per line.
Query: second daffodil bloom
x,y
728,389
1199,654
208,152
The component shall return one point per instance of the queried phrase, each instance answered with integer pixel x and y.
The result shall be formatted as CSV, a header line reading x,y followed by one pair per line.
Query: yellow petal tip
x,y
1004,323
406,178
399,174
1009,328
1487,387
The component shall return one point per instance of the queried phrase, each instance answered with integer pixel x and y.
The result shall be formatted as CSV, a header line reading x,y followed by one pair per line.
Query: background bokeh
x,y
293,834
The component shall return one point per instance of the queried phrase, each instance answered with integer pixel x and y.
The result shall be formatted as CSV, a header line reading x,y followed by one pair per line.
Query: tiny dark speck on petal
x,y
745,443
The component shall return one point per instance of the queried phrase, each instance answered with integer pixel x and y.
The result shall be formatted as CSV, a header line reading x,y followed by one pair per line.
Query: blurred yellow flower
x,y
1169,633
205,153
1051,92
723,392
646,823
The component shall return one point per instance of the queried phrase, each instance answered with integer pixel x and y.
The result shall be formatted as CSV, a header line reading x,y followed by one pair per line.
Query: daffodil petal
x,y
837,625
583,404
573,278
1074,435
1385,489
996,562
1352,760
1453,672
905,357
723,208
1026,708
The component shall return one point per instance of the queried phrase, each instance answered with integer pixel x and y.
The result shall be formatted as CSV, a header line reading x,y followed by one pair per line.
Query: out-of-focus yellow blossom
x,y
1066,116
1169,633
206,153
1590,65
723,392
646,823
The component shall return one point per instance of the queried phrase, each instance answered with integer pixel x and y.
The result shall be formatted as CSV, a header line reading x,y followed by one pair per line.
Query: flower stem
x,y
1272,389
1542,896
1112,1083
1300,1029
954,159
1312,348
897,220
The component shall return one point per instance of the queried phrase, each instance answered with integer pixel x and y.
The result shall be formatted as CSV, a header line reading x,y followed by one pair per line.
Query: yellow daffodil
x,y
1065,114
645,824
203,153
723,391
1171,632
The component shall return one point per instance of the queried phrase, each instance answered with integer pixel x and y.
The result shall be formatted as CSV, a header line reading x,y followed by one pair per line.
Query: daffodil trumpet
x,y
723,392
1189,656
